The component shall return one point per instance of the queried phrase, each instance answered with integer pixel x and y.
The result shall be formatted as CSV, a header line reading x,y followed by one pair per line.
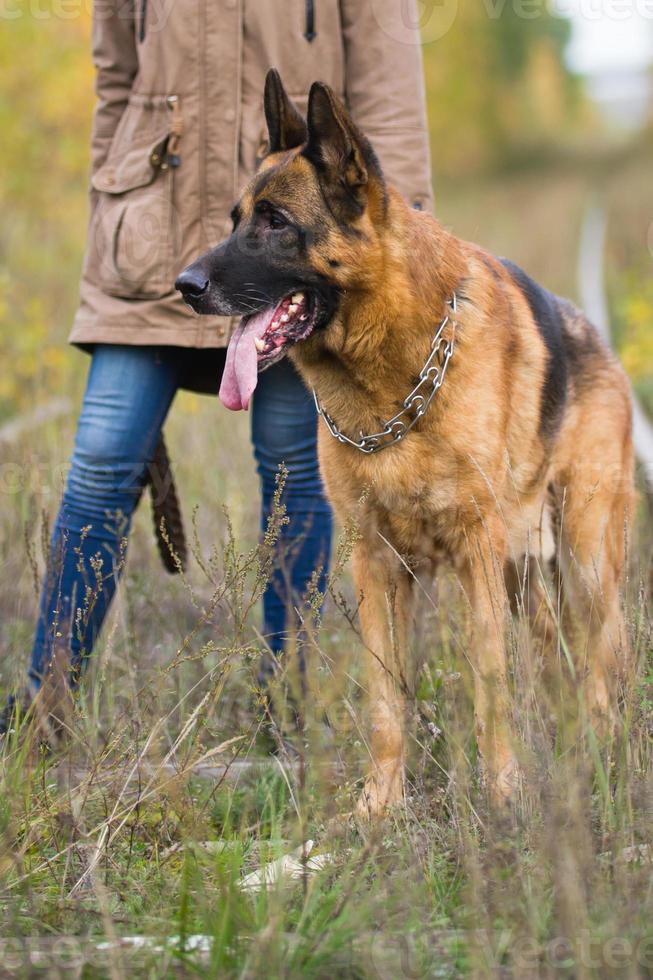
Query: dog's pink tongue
x,y
241,369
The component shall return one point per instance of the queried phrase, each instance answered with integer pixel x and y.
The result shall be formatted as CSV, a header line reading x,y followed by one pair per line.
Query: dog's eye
x,y
277,220
274,219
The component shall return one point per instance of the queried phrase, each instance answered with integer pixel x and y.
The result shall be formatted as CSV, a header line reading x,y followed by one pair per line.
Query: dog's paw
x,y
503,780
508,779
382,791
601,709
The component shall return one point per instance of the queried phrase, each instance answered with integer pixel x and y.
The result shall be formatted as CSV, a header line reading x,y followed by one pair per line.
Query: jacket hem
x,y
86,333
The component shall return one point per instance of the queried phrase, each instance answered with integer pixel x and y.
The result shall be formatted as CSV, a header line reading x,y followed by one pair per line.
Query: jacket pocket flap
x,y
135,167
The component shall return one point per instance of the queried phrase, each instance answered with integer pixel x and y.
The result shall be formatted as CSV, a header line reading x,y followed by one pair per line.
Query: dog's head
x,y
304,232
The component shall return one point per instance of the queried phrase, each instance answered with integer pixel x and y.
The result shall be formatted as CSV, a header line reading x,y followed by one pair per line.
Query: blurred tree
x,y
46,100
497,85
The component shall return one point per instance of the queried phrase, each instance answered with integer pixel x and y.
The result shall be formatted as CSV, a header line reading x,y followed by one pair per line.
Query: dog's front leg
x,y
484,583
385,588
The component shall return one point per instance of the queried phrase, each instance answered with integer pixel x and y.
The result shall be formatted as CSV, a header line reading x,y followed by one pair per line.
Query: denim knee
x,y
102,480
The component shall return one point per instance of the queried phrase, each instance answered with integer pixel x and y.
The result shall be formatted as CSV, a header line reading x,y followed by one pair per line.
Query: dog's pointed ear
x,y
286,126
337,148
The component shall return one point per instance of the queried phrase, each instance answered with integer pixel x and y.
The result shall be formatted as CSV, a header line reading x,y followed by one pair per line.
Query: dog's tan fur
x,y
475,483
478,482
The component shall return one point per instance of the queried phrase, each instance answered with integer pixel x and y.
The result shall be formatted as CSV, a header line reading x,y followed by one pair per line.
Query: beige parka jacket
x,y
179,127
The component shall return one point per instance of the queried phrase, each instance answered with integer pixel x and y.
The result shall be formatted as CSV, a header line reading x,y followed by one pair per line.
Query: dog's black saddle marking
x,y
548,317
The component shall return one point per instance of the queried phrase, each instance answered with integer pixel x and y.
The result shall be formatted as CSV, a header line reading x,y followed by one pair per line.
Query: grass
x,y
147,824
122,836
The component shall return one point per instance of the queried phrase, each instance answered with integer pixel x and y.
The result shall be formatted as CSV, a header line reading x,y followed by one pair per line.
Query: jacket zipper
x,y
310,34
141,34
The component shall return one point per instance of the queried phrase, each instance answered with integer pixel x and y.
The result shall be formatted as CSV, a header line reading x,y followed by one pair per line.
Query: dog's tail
x,y
168,521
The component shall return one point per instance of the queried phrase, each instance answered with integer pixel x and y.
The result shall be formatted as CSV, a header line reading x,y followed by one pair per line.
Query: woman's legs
x,y
128,394
284,430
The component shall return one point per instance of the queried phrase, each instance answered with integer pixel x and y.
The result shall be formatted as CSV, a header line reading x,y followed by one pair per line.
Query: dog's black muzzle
x,y
192,283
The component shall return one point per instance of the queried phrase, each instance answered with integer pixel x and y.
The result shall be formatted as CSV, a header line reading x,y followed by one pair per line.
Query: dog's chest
x,y
420,530
409,493
413,501
418,517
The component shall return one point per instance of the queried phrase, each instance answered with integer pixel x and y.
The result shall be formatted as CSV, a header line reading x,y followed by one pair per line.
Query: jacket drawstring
x,y
310,34
172,157
141,33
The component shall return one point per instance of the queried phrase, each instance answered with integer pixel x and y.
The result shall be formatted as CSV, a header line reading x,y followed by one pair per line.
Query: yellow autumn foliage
x,y
46,100
636,313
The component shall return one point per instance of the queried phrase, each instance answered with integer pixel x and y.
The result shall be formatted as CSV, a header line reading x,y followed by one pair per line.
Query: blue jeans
x,y
128,395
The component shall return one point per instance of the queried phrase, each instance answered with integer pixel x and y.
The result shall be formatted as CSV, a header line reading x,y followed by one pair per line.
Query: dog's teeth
x,y
303,317
275,324
297,298
293,308
259,344
284,318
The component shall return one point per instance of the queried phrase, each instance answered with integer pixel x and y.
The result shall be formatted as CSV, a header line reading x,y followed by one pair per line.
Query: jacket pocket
x,y
310,33
133,233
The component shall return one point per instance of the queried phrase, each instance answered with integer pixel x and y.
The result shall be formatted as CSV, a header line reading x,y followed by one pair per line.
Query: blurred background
x,y
541,124
535,116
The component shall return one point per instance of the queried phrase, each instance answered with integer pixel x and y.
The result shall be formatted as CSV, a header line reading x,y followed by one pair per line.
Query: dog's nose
x,y
192,282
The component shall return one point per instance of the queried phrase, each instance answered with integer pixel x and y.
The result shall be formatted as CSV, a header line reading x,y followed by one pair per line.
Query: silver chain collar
x,y
416,404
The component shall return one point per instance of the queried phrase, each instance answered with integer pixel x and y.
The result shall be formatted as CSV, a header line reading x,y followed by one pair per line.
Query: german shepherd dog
x,y
522,454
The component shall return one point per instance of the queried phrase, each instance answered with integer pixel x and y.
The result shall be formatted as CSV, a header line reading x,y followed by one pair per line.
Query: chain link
x,y
416,404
